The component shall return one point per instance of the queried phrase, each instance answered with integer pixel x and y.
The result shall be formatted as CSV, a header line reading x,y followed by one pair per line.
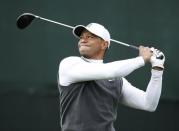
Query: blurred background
x,y
30,58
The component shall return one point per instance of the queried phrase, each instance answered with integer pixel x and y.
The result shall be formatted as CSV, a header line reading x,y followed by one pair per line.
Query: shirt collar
x,y
92,60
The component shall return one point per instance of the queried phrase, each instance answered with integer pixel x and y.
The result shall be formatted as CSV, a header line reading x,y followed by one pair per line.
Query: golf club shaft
x,y
58,23
124,44
62,24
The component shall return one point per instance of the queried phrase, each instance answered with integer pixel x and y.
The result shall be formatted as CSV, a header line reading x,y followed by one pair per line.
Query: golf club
x,y
26,19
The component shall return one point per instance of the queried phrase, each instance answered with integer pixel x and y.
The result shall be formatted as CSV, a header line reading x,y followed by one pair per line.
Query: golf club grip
x,y
134,47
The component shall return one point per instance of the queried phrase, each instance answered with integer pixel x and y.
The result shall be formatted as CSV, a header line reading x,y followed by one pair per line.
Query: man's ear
x,y
105,45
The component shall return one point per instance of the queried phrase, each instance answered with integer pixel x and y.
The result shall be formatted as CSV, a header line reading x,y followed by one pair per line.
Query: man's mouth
x,y
83,45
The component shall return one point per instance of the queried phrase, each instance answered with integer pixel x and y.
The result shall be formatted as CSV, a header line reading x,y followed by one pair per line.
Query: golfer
x,y
91,90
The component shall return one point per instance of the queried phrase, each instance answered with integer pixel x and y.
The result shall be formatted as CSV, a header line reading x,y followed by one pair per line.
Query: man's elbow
x,y
151,108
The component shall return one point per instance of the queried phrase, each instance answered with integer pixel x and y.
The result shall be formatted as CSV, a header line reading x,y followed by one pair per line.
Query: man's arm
x,y
148,100
75,69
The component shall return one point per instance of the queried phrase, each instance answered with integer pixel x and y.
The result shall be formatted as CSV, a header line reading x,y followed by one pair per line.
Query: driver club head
x,y
25,20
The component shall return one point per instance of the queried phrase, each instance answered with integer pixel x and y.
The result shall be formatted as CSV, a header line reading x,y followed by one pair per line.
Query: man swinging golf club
x,y
90,90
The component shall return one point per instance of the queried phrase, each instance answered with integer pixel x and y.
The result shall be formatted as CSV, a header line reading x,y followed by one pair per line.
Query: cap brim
x,y
77,30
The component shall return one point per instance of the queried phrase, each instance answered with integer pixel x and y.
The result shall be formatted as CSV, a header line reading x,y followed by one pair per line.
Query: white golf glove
x,y
157,59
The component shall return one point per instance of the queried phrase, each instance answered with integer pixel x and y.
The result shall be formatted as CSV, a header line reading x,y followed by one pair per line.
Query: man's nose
x,y
83,39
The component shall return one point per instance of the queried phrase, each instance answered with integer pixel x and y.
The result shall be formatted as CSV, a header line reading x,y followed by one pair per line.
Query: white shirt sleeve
x,y
148,100
75,69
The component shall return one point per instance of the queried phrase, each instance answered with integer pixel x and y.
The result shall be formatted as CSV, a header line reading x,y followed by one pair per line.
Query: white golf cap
x,y
94,28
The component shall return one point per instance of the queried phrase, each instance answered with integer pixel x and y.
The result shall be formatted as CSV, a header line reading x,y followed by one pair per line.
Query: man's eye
x,y
87,37
90,36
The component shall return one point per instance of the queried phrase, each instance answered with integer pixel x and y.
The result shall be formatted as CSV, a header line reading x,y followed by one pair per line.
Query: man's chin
x,y
83,51
84,54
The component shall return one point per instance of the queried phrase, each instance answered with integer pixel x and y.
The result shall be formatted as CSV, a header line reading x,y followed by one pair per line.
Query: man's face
x,y
91,46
